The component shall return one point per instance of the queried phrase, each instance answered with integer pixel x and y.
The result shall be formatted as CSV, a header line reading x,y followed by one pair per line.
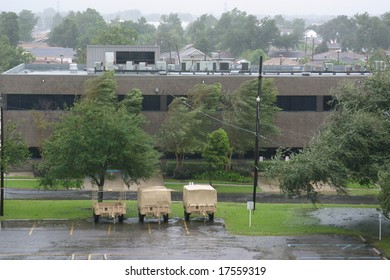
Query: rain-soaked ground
x,y
180,240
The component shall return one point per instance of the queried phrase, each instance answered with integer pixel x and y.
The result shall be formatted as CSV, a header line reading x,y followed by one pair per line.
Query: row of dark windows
x,y
153,102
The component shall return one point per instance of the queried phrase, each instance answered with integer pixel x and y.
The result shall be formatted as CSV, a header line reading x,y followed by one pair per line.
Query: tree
x,y
170,32
15,147
201,33
177,134
9,27
66,34
11,56
253,56
239,114
98,133
116,35
352,146
216,150
238,32
27,21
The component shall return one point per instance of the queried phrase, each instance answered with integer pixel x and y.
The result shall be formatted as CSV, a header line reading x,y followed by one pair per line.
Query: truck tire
x,y
165,218
120,218
96,218
211,217
141,217
186,216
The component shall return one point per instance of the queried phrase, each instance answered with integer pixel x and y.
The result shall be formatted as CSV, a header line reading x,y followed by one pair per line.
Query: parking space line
x,y
186,227
71,229
32,228
149,229
109,230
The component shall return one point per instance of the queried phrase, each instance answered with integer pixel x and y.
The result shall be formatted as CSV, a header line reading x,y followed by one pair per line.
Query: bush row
x,y
199,170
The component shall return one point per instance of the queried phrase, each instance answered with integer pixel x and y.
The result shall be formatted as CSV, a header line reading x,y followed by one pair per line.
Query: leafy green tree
x,y
66,34
341,29
11,56
238,32
170,33
145,31
177,134
15,148
116,35
216,150
352,146
27,21
9,27
201,33
288,41
253,56
239,114
97,134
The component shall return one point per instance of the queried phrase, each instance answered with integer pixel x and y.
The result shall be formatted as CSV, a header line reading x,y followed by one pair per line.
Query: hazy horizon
x,y
198,7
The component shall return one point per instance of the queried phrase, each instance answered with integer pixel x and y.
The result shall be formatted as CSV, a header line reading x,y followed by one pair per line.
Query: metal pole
x,y
256,168
1,159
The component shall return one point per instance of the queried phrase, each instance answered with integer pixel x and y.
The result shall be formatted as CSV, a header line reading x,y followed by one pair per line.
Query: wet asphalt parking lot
x,y
197,239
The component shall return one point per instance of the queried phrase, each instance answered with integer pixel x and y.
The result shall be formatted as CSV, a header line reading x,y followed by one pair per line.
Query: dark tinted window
x,y
39,101
151,103
297,103
136,57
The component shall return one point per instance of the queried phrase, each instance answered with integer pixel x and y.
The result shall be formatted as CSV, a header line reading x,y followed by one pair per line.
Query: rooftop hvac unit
x,y
129,65
161,66
98,65
109,61
142,66
73,68
328,66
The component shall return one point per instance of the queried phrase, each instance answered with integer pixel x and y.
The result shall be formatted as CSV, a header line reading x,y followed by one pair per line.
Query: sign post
x,y
250,207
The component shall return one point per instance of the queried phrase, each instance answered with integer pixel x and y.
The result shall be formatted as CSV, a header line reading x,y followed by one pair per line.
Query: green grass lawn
x,y
21,183
268,220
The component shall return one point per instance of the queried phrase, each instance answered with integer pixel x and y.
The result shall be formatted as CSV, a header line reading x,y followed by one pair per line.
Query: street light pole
x,y
256,168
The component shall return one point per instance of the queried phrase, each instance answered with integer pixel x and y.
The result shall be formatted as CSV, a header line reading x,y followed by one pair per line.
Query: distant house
x,y
187,54
338,56
310,34
282,61
46,54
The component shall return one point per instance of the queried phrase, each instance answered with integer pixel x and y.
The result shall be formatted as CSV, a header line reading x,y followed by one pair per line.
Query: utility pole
x,y
256,168
1,158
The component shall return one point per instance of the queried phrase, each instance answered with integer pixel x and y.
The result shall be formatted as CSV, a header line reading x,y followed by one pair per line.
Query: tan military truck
x,y
199,199
154,201
114,205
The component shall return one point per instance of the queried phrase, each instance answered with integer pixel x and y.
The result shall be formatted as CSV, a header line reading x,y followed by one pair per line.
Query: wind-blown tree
x,y
216,151
170,33
15,147
177,134
9,27
354,145
97,134
117,34
27,21
239,114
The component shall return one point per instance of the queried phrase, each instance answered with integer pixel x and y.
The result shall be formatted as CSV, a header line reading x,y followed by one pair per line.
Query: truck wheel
x,y
211,217
120,218
186,216
165,218
141,217
95,218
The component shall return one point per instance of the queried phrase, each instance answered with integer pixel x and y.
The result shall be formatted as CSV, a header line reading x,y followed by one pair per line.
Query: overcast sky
x,y
198,7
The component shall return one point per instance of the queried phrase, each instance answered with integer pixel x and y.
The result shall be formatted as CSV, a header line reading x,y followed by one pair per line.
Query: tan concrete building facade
x,y
28,97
